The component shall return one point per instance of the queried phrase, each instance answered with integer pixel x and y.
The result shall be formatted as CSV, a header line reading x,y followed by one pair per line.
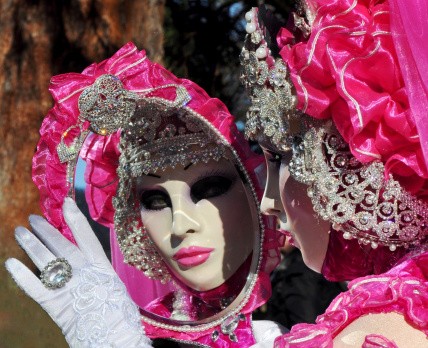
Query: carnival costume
x,y
348,98
127,117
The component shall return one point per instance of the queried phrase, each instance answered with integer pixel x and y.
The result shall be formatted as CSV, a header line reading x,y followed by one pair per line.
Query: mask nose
x,y
184,217
270,206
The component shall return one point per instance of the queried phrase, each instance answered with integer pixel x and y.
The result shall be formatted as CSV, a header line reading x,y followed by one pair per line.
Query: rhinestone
x,y
370,199
364,220
350,178
56,273
229,325
387,209
233,337
215,335
407,217
341,161
332,141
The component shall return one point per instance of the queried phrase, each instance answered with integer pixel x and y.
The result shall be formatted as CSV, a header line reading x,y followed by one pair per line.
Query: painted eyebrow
x,y
154,175
188,166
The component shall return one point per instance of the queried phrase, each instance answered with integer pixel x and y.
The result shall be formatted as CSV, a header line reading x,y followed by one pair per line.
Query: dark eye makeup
x,y
207,187
210,187
155,200
278,158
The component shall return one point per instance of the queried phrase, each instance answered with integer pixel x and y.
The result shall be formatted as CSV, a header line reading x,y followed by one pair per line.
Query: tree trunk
x,y
40,39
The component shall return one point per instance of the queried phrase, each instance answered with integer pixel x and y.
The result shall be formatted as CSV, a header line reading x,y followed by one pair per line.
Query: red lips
x,y
289,236
192,256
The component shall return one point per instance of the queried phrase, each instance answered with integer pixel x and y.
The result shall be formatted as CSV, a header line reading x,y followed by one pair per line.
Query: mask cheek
x,y
158,225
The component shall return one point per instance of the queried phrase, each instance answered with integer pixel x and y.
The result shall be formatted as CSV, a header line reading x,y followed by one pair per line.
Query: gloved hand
x,y
93,308
265,332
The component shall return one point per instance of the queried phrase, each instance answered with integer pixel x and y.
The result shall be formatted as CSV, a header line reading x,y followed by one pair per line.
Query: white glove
x,y
93,308
265,332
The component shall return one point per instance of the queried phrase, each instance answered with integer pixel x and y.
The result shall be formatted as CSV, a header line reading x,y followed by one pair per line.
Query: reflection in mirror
x,y
202,220
193,217
101,231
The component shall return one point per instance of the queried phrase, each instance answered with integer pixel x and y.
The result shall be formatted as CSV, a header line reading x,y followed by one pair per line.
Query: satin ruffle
x,y
403,289
348,71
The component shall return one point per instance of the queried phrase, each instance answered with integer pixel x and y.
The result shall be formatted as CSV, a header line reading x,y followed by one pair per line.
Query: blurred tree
x,y
40,39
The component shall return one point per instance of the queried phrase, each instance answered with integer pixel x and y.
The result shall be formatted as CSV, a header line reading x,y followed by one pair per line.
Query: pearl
x,y
261,52
347,235
392,247
374,245
250,28
249,16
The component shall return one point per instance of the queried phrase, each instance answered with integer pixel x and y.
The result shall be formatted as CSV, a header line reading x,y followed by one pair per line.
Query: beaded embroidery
x,y
354,196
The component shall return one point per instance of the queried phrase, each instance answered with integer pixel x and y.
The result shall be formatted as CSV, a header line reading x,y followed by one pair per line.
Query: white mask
x,y
200,220
287,199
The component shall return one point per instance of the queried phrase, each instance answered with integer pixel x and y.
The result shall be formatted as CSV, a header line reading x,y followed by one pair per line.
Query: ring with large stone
x,y
56,273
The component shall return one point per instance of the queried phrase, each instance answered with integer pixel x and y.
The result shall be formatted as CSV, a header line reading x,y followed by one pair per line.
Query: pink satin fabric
x,y
349,71
201,304
403,290
409,28
348,259
101,154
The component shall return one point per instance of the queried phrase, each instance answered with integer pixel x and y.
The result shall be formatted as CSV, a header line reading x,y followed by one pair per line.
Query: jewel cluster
x,y
56,273
106,105
356,197
267,83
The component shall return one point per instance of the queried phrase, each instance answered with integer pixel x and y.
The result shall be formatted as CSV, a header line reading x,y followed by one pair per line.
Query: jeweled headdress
x,y
349,164
156,133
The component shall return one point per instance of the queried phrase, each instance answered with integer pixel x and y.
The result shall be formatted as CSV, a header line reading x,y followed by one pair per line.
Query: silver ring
x,y
56,273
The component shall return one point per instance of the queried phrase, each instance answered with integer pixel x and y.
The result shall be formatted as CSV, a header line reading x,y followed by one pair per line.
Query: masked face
x,y
287,199
200,220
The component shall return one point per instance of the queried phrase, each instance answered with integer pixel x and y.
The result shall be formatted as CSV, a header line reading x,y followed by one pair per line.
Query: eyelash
x,y
274,157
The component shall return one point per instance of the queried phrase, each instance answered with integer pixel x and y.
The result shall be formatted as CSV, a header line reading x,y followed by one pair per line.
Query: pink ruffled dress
x,y
403,290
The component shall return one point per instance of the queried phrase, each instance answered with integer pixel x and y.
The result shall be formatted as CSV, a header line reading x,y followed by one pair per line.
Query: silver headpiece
x,y
273,112
354,196
156,133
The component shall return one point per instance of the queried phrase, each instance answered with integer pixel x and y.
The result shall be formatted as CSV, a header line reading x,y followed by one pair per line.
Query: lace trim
x,y
98,296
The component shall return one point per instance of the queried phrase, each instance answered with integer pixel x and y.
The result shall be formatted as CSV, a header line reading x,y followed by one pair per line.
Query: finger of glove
x,y
54,240
26,280
35,249
86,239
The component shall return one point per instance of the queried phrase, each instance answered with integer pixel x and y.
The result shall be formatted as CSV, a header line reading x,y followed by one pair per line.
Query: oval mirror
x,y
201,218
